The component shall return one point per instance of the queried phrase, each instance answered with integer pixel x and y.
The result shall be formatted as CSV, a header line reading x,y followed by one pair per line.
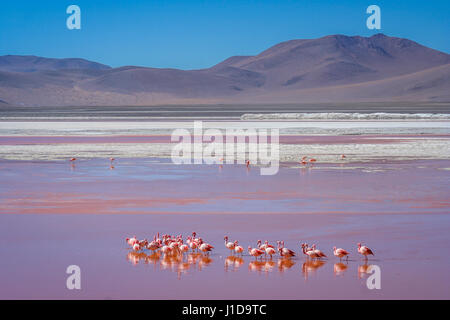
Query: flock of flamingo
x,y
303,160
170,245
174,245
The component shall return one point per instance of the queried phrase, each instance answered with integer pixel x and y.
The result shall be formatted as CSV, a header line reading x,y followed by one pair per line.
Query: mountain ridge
x,y
288,71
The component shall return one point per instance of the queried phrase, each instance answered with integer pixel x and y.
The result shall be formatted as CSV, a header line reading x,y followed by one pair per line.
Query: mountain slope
x,y
432,85
340,59
32,63
332,68
180,83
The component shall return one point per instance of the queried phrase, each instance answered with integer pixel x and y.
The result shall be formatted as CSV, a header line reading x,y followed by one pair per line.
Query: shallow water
x,y
408,249
54,215
158,186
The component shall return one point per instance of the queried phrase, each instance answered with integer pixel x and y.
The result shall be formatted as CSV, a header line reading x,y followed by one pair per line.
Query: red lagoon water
x,y
158,186
286,139
54,215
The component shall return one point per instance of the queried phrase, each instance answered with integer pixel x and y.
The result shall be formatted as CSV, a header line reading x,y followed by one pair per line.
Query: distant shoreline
x,y
208,111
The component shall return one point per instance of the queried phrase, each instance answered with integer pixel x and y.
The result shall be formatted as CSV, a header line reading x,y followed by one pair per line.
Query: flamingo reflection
x,y
363,270
268,265
205,260
232,263
256,266
284,264
134,257
177,263
152,258
310,267
339,269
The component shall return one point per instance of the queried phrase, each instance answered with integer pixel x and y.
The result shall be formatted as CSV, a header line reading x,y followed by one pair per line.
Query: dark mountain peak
x,y
338,37
379,36
378,39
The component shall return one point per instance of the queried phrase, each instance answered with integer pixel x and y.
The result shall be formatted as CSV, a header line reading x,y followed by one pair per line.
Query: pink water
x,y
54,215
158,186
286,139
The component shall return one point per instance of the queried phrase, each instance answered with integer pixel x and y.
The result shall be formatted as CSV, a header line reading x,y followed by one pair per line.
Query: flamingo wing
x,y
290,252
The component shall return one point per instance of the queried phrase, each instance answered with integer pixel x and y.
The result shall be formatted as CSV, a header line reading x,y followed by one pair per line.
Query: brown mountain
x,y
332,68
33,63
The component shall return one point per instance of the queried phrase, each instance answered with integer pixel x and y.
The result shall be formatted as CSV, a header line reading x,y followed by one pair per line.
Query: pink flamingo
x,y
255,252
174,246
143,243
131,241
340,253
365,251
166,249
193,242
270,251
264,246
154,245
285,252
319,253
303,245
229,245
247,163
205,247
184,248
309,252
237,248
136,246
193,245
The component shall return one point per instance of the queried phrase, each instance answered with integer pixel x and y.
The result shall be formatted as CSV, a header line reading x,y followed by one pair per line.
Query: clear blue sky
x,y
191,34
